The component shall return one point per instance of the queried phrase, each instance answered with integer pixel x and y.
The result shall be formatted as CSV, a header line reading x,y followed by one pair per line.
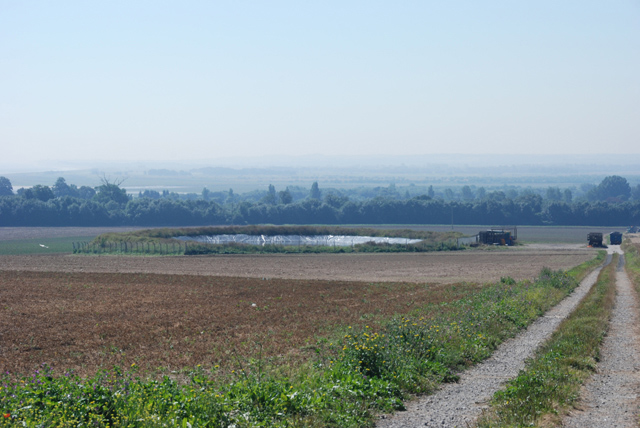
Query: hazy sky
x,y
169,80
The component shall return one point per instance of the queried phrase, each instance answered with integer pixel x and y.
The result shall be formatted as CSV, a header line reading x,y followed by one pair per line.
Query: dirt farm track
x,y
464,266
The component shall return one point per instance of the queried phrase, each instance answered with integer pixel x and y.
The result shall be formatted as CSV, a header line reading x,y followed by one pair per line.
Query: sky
x,y
193,80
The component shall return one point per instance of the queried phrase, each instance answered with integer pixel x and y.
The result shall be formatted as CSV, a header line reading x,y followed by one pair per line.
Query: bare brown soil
x,y
85,321
88,312
446,267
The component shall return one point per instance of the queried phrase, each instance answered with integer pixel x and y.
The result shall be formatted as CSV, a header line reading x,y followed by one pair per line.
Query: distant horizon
x,y
318,160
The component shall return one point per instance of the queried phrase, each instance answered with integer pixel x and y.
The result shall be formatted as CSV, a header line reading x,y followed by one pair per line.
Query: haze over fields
x,y
232,83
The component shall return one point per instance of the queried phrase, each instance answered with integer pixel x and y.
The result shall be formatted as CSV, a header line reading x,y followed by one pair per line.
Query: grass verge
x,y
551,381
632,261
357,374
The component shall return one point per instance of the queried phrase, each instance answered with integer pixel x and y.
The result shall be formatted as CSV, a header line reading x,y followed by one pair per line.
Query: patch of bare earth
x,y
87,321
445,267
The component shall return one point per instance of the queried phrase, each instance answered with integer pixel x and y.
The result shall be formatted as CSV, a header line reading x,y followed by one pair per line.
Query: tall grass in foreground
x,y
551,381
356,374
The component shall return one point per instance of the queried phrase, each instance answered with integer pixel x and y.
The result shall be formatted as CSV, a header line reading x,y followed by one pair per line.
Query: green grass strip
x,y
355,375
632,261
551,381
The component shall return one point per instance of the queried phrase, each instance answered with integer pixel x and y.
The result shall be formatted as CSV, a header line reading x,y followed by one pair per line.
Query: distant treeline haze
x,y
613,202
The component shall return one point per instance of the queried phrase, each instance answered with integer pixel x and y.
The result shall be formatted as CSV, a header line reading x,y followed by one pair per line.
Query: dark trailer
x,y
615,238
498,236
595,240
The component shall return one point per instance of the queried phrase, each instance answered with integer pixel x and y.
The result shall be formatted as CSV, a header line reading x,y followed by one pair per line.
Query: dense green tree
x,y
613,188
554,194
558,213
635,192
481,193
86,192
467,193
111,192
334,200
61,188
497,195
448,194
567,196
284,196
6,189
151,194
231,197
271,197
315,193
206,194
511,194
39,192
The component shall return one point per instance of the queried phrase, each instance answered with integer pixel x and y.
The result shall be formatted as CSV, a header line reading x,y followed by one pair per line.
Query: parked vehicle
x,y
595,239
615,238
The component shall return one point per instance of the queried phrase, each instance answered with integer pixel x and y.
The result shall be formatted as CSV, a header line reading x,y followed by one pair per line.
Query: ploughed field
x,y
168,313
85,321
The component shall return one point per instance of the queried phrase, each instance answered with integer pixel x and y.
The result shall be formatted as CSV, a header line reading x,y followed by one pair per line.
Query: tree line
x,y
611,203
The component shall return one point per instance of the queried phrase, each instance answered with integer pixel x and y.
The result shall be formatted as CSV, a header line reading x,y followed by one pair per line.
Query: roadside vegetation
x,y
632,261
551,381
358,371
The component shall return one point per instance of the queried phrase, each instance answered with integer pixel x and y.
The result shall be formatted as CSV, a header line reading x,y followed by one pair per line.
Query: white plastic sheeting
x,y
297,240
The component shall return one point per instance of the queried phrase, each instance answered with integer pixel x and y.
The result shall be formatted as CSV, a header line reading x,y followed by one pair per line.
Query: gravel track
x,y
460,404
611,397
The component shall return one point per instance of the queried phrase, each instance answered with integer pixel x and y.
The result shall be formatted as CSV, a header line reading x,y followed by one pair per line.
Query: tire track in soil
x,y
610,397
459,404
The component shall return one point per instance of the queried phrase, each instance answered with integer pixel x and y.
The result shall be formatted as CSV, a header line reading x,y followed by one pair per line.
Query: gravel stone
x,y
459,404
